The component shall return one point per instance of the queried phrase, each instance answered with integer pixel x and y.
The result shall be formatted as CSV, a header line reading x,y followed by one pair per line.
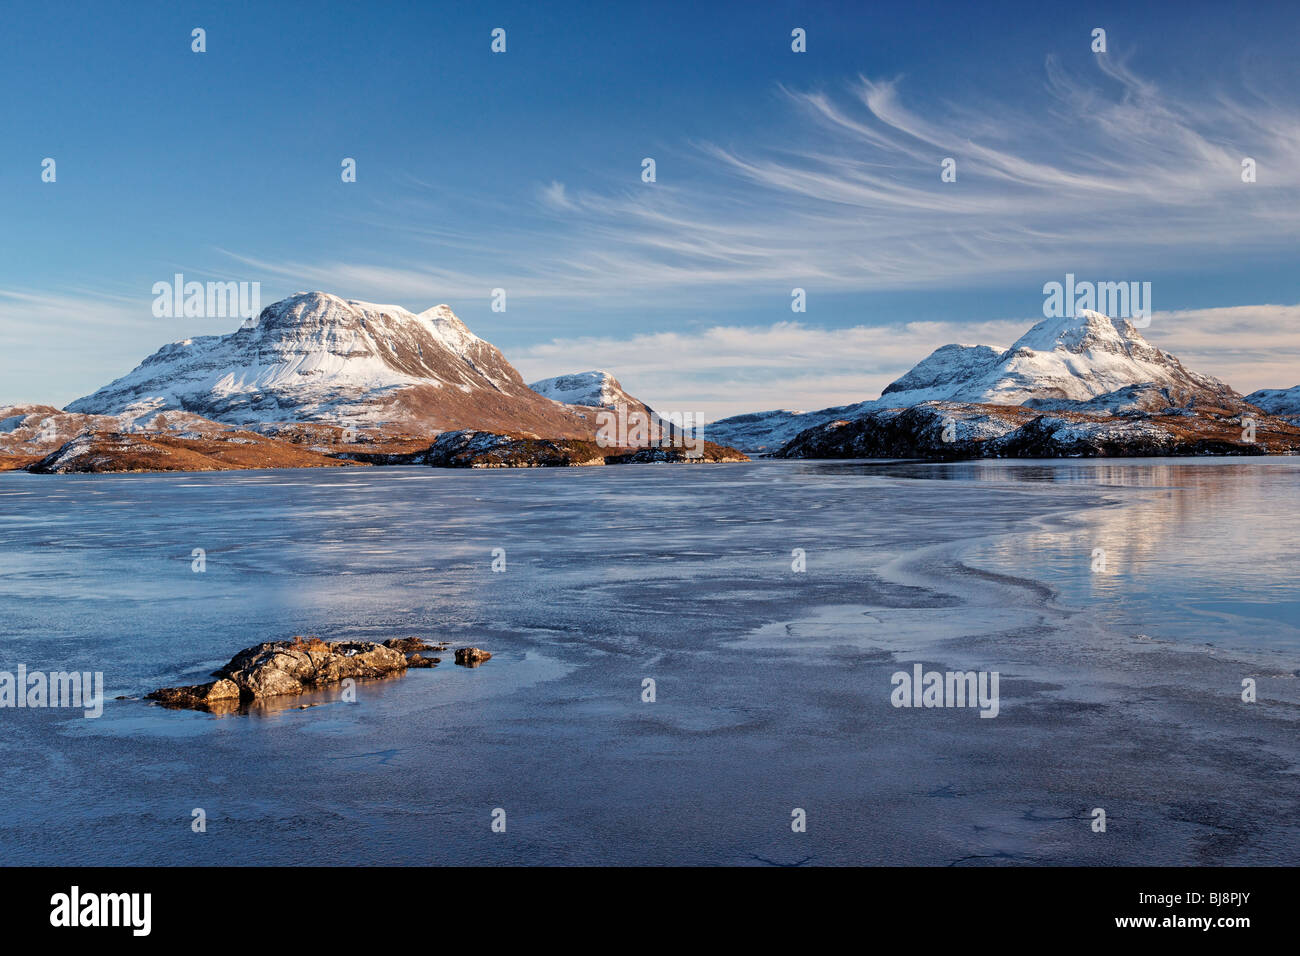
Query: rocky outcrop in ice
x,y
284,668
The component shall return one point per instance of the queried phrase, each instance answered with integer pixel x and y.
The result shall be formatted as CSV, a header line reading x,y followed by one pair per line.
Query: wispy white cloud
x,y
1248,346
1108,171
1107,175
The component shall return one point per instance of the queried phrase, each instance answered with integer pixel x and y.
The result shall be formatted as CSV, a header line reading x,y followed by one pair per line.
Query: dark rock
x,y
197,695
678,454
952,430
471,656
408,645
468,448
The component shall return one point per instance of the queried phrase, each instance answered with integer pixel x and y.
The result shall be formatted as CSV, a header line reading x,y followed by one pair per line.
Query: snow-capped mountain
x,y
1277,401
1077,358
1058,363
600,389
315,357
595,389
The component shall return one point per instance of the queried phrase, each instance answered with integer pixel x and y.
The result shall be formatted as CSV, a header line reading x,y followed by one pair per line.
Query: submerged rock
x,y
282,668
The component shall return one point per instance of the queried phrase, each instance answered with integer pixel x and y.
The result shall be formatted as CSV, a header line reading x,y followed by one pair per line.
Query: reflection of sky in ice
x,y
1197,551
1204,551
773,686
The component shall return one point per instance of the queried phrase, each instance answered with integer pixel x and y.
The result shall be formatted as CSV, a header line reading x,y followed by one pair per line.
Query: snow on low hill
x,y
1088,358
1284,402
27,430
765,432
600,389
314,357
595,389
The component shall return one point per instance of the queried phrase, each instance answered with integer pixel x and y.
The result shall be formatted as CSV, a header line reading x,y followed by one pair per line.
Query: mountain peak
x,y
449,327
1071,358
325,313
1087,330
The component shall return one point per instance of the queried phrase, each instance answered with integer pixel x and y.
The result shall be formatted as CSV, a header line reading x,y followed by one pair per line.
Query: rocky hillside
x,y
474,449
949,430
29,433
107,451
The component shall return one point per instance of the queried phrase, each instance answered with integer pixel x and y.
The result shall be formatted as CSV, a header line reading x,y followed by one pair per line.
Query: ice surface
x,y
772,685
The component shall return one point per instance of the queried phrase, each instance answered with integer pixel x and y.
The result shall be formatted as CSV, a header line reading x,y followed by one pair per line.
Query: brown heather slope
x,y
94,452
321,446
28,433
516,408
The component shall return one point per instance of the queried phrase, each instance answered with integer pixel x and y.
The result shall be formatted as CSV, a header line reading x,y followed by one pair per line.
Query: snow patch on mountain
x,y
1277,401
944,366
595,389
765,432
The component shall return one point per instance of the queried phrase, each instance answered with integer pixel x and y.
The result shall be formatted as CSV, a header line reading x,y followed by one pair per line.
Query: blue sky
x,y
522,171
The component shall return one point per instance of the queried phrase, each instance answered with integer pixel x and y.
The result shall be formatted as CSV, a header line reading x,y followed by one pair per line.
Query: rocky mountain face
x,y
315,357
1086,364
